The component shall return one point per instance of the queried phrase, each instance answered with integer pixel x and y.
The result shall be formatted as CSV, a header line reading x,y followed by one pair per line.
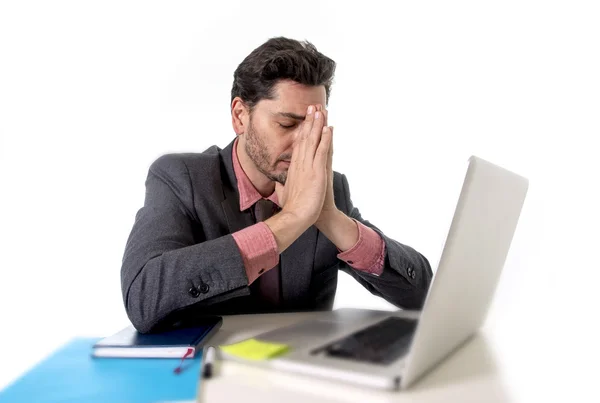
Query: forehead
x,y
293,97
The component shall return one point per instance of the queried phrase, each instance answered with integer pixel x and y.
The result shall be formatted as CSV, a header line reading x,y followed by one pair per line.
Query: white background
x,y
92,92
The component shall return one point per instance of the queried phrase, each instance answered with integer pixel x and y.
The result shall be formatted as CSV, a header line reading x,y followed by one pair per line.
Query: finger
x,y
279,191
325,113
314,139
300,146
308,122
322,152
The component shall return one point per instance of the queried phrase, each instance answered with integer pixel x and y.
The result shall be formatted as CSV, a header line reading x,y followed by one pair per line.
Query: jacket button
x,y
194,292
204,288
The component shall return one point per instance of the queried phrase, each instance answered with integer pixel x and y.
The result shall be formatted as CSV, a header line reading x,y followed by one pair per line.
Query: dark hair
x,y
278,59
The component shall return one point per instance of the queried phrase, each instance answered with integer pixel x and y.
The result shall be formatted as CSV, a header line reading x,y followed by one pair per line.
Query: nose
x,y
292,142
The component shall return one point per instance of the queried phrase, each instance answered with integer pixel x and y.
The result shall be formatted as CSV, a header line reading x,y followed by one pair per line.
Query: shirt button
x,y
194,292
261,271
204,288
412,275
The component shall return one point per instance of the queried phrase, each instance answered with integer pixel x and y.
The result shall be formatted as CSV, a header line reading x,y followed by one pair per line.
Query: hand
x,y
306,187
329,207
337,227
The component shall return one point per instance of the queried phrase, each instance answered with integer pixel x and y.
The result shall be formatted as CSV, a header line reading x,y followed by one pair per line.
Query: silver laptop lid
x,y
473,256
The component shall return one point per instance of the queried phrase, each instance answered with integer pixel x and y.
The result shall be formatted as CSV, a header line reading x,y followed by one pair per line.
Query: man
x,y
264,224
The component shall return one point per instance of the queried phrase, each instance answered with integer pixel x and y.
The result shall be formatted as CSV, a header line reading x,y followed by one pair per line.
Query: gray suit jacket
x,y
181,261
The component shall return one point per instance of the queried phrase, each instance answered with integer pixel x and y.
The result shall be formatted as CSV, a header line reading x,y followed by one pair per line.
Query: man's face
x,y
274,125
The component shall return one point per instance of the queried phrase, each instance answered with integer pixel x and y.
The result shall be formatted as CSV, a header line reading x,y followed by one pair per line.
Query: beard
x,y
258,152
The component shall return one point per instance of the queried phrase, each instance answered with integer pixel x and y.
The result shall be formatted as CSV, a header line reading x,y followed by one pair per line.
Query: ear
x,y
240,115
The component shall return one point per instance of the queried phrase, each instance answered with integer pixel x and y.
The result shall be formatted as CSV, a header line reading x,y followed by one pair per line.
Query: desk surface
x,y
494,366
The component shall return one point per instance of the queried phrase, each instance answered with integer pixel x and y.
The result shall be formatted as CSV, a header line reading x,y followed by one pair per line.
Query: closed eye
x,y
287,126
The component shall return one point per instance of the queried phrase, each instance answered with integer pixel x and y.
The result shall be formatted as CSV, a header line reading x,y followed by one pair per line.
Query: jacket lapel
x,y
236,219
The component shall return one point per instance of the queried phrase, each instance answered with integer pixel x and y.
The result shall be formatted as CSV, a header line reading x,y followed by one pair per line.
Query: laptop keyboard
x,y
381,343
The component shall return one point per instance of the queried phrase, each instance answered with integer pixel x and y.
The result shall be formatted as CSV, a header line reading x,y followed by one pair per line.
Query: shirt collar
x,y
248,193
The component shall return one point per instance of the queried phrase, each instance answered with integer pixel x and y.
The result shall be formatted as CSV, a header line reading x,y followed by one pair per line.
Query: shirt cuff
x,y
368,254
258,248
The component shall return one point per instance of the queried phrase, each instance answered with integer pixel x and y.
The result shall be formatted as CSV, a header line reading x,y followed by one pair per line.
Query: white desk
x,y
481,371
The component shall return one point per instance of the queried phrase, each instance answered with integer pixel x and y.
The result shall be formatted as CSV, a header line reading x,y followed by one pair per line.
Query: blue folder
x,y
71,374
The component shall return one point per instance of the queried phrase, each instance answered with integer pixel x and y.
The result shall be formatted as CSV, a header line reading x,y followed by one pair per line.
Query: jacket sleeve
x,y
406,274
168,265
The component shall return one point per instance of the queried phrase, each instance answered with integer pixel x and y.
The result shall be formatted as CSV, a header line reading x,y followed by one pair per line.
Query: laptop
x,y
391,350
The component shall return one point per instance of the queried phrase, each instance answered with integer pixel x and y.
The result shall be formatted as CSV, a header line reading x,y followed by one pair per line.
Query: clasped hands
x,y
308,191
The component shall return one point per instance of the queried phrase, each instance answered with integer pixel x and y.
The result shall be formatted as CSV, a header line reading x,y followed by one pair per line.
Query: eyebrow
x,y
290,115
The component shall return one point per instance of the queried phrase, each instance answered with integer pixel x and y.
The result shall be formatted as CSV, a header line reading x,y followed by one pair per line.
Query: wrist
x,y
339,229
296,219
329,218
286,228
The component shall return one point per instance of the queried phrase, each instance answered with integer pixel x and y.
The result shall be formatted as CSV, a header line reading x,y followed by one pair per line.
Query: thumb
x,y
279,188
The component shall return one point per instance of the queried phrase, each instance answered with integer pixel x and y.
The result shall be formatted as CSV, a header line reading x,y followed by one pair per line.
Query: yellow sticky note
x,y
253,349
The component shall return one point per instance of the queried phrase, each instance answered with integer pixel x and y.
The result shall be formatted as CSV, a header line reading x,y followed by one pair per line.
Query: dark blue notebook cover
x,y
175,342
129,337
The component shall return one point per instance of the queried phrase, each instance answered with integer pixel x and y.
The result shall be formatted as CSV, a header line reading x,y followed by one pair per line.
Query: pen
x,y
209,362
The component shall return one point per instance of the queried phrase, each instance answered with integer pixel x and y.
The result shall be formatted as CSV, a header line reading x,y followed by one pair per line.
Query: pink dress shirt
x,y
259,249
